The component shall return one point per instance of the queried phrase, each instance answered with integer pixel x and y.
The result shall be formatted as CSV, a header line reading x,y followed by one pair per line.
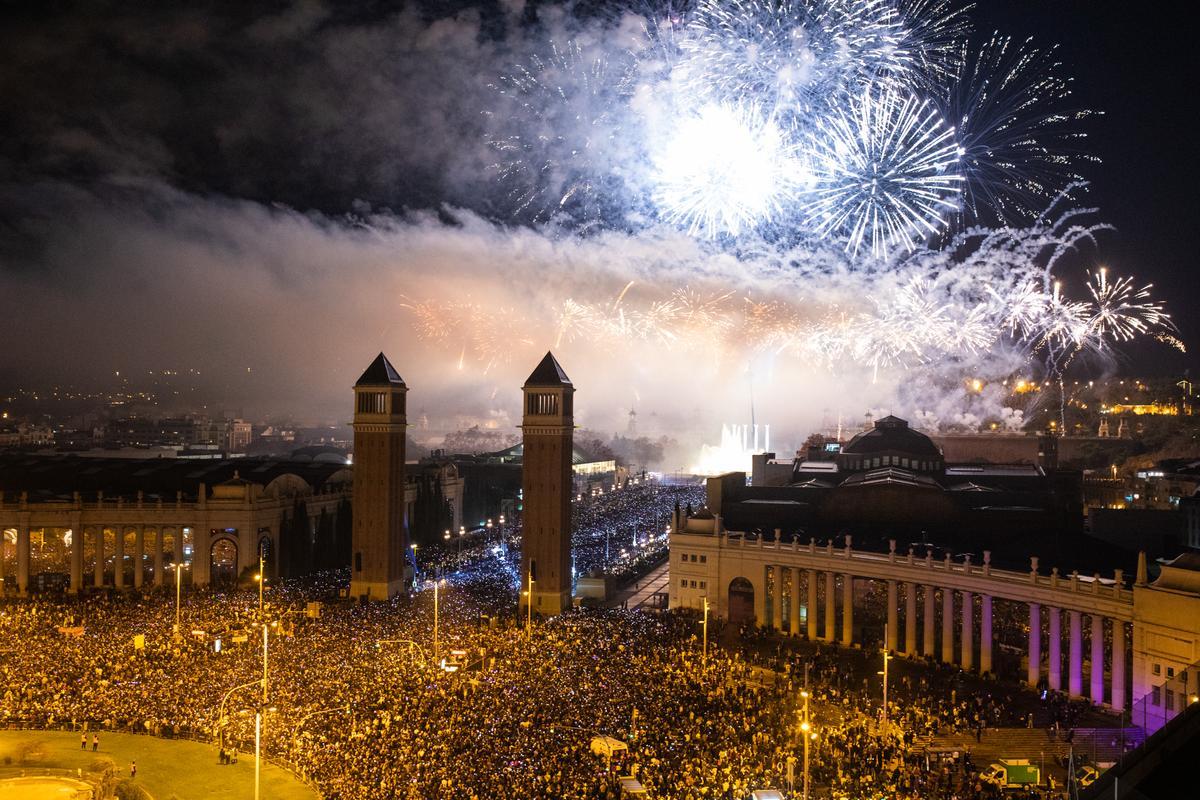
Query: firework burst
x,y
883,173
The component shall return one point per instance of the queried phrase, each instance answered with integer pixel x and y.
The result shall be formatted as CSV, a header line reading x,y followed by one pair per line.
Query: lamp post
x,y
416,572
261,577
178,594
221,707
529,605
805,729
435,621
886,658
704,656
259,719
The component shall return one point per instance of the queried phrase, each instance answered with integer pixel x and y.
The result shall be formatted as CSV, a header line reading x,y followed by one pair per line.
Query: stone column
x,y
23,558
794,620
910,620
830,607
1097,659
1118,665
139,544
948,626
893,616
985,634
847,610
1075,673
928,644
968,631
777,607
77,535
119,558
1055,648
1035,645
98,570
812,605
158,561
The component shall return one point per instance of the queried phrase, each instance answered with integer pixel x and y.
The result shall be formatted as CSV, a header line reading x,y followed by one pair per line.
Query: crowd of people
x,y
363,702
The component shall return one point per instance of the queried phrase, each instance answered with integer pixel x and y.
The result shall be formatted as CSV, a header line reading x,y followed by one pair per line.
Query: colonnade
x,y
785,583
80,534
1100,627
975,628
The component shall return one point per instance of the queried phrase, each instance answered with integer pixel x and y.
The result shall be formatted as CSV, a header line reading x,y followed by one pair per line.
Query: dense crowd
x,y
621,531
360,705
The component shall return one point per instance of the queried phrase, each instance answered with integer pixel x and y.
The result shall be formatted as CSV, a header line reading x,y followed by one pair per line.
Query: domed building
x,y
891,443
893,481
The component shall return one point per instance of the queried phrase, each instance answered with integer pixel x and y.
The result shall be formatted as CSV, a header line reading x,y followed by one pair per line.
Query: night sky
x,y
113,114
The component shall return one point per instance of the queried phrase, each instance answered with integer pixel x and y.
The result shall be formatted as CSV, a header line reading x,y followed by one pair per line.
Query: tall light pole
x,y
529,605
261,577
886,658
704,657
805,728
259,719
178,594
435,621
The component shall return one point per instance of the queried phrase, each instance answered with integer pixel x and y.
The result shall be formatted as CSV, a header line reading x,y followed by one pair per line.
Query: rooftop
x,y
548,373
380,373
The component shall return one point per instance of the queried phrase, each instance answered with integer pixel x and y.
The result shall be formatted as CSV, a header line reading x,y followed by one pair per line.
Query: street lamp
x,y
704,657
259,719
261,577
178,594
414,551
807,731
529,604
435,619
221,707
886,658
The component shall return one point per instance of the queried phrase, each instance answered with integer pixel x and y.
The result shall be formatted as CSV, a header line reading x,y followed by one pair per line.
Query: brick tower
x,y
380,537
547,434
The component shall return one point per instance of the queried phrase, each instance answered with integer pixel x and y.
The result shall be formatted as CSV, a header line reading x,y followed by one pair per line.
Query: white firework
x,y
884,173
725,168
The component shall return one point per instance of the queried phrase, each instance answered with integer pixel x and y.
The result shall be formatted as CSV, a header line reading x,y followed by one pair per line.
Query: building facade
x,y
123,524
1091,637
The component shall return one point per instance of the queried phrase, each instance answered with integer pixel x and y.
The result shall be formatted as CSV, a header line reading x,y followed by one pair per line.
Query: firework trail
x,y
1018,133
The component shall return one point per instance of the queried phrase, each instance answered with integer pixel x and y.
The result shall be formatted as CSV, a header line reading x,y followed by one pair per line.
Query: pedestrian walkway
x,y
642,592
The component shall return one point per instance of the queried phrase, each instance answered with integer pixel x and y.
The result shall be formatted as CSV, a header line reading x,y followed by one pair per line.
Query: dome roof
x,y
892,434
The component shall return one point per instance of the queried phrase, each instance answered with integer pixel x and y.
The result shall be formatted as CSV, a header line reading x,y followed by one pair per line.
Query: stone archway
x,y
223,561
741,601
